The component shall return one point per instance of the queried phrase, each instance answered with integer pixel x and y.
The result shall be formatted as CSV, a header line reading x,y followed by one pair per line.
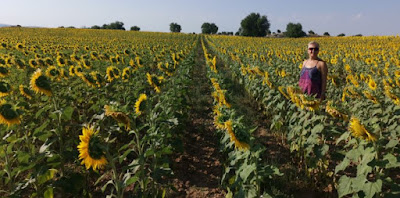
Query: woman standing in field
x,y
314,73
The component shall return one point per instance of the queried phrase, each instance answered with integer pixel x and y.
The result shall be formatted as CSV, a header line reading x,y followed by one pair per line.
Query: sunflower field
x,y
94,113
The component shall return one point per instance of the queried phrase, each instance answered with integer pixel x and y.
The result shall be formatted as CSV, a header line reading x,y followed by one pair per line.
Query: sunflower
x,y
78,71
25,92
90,81
97,77
120,117
5,89
359,131
334,112
72,70
60,61
139,104
112,73
40,83
19,46
8,114
86,63
53,73
33,63
368,95
139,61
282,90
90,150
372,84
4,72
154,82
126,73
234,139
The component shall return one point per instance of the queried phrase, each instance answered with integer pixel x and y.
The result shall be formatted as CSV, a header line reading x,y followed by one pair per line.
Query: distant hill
x,y
4,25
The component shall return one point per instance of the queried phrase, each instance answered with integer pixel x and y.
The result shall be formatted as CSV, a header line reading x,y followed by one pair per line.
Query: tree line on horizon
x,y
253,25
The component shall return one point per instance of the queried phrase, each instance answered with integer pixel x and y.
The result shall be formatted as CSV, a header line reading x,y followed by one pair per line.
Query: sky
x,y
351,17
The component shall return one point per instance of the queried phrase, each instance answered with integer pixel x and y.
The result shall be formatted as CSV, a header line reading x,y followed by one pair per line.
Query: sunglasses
x,y
313,48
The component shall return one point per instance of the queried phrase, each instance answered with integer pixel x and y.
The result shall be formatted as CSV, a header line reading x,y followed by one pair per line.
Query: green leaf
x,y
392,161
371,188
131,180
342,166
42,127
247,170
48,175
48,193
67,113
344,187
392,143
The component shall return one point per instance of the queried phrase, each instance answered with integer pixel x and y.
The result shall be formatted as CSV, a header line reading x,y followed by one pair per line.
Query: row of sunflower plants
x,y
352,144
85,86
245,172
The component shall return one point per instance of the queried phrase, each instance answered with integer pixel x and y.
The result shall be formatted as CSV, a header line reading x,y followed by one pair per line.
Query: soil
x,y
198,169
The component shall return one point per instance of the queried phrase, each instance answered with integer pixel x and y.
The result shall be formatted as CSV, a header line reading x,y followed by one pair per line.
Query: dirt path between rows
x,y
198,169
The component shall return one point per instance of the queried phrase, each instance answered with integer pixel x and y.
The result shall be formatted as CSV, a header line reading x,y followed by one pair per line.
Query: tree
x,y
174,27
95,27
311,32
254,25
279,31
209,28
135,28
326,34
340,35
114,26
294,30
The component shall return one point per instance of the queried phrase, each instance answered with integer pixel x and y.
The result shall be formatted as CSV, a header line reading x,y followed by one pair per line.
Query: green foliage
x,y
254,25
294,30
209,28
326,34
341,34
174,27
117,25
135,28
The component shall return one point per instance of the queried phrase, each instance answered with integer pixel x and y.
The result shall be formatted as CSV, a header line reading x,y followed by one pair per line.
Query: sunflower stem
x,y
117,183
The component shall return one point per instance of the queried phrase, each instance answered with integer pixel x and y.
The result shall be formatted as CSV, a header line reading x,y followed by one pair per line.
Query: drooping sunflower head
x,y
112,73
359,131
97,77
40,83
25,92
8,114
91,151
5,89
139,104
120,117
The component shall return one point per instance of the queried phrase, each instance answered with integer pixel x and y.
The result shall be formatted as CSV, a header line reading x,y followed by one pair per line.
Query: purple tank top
x,y
311,81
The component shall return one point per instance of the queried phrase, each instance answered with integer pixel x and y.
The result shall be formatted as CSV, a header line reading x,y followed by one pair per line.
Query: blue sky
x,y
367,17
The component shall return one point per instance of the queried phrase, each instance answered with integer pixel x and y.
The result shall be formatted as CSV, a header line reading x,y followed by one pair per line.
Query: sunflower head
x,y
5,89
358,130
139,104
4,72
91,150
8,114
52,72
40,83
25,92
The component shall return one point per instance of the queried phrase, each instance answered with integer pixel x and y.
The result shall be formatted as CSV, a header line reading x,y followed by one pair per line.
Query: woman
x,y
314,73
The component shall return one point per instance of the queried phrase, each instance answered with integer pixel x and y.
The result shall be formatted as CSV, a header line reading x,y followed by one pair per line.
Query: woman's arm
x,y
324,75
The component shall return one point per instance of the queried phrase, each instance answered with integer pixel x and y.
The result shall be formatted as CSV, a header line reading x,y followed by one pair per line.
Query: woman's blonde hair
x,y
313,43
